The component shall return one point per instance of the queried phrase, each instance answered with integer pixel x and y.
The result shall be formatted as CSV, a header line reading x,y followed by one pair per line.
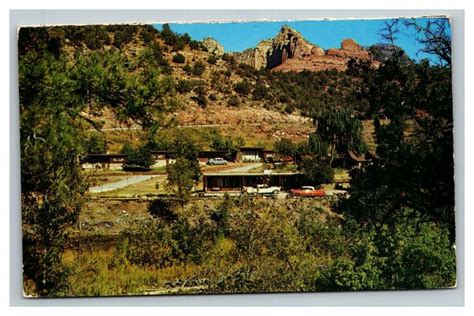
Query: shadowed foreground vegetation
x,y
258,245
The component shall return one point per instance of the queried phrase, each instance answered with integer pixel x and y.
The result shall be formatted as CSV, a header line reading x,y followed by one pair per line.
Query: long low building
x,y
236,181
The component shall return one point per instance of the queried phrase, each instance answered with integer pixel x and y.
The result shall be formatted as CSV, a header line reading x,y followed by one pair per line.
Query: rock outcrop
x,y
383,52
213,46
289,51
288,44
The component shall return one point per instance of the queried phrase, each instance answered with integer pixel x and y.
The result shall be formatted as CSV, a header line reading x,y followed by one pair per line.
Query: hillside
x,y
201,86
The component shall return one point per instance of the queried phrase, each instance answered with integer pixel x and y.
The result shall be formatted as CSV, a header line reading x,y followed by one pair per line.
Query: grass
x,y
161,169
109,218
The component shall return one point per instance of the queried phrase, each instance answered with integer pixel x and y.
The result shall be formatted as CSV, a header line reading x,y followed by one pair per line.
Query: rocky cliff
x,y
213,46
289,51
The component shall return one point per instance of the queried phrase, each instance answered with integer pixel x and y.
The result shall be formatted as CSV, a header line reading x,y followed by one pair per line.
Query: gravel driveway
x,y
120,184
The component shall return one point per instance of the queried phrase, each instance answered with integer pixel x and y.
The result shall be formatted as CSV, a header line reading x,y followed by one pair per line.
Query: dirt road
x,y
120,184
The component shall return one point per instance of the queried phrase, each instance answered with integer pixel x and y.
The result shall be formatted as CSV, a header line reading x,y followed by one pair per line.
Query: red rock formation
x,y
289,51
333,58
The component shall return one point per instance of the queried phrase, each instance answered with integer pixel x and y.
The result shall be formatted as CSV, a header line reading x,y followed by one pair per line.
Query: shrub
x,y
212,59
179,58
149,245
198,68
201,99
163,209
243,87
184,86
233,101
195,45
260,92
187,69
123,36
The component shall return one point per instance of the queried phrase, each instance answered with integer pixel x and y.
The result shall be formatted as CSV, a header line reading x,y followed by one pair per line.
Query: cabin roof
x,y
255,174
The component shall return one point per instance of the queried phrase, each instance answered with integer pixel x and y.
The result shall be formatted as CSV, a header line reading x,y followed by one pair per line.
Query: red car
x,y
308,191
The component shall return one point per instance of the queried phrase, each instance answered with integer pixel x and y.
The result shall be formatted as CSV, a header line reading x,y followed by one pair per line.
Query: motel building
x,y
254,154
234,182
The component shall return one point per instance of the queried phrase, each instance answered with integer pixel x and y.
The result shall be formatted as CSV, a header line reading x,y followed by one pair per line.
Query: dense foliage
x,y
137,159
55,95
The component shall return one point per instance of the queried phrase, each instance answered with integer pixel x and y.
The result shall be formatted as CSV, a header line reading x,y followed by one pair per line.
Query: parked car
x,y
217,161
261,189
308,191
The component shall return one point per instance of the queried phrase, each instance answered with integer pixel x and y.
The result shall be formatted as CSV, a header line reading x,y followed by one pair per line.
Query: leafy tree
x,y
285,147
138,159
412,171
184,173
96,144
316,171
180,179
403,256
51,180
337,130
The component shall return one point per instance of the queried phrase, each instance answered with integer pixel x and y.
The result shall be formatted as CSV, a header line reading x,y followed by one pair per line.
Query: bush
x,y
187,69
179,58
260,92
124,36
178,42
229,58
195,45
233,101
243,87
201,100
212,59
198,68
184,86
163,209
149,245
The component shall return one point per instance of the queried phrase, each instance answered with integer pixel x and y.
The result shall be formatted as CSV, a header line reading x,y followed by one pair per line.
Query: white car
x,y
261,189
217,161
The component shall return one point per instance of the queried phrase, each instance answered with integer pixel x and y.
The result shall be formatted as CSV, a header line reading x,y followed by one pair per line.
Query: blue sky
x,y
325,33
